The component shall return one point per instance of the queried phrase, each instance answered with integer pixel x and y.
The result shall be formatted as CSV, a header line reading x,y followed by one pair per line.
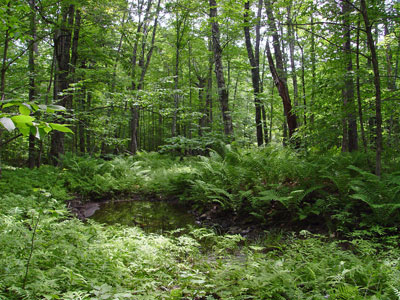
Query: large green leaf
x,y
25,109
62,128
22,119
24,130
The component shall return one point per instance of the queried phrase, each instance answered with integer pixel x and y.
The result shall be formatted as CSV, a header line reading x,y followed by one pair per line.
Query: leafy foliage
x,y
72,260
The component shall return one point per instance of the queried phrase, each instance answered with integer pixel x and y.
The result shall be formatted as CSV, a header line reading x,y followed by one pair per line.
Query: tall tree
x,y
62,48
33,51
254,59
223,92
350,138
4,65
141,61
377,83
278,72
292,40
181,26
358,88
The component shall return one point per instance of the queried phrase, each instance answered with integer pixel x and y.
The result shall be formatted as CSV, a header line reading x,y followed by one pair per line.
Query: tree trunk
x,y
180,32
176,94
350,139
313,76
209,98
292,61
33,51
4,60
51,77
377,83
303,85
391,85
271,111
254,59
263,110
62,44
358,88
89,147
219,70
143,63
278,73
203,106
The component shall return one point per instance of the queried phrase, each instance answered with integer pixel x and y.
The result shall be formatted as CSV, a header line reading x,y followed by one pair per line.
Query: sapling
x,y
34,226
32,246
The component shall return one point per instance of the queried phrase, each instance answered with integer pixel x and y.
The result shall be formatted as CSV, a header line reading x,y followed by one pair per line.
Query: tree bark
x,y
33,51
292,61
358,88
4,60
209,97
313,76
223,93
278,73
254,59
303,85
203,107
350,138
377,83
62,45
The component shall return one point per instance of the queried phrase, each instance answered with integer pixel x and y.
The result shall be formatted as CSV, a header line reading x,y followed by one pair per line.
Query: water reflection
x,y
152,216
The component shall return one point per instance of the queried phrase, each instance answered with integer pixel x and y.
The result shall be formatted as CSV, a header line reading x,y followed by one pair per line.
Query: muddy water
x,y
156,217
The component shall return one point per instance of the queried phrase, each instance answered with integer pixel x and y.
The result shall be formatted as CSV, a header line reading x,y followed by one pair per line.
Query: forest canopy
x,y
127,76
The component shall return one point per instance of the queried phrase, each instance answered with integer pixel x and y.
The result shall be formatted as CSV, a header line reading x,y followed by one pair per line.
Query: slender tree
x,y
254,59
278,73
33,51
4,65
377,83
350,138
141,61
358,88
223,92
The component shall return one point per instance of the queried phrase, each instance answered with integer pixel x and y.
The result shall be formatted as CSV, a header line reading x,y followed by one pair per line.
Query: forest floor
x,y
49,254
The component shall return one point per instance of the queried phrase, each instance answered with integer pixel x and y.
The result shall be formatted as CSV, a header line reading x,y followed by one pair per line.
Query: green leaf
x,y
42,131
34,106
7,123
23,120
47,129
13,103
59,127
35,132
25,109
24,130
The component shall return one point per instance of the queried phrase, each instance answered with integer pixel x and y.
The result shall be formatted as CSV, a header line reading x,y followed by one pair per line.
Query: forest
x,y
199,150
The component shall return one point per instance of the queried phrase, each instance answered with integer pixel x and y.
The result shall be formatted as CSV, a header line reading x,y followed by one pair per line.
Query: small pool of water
x,y
152,216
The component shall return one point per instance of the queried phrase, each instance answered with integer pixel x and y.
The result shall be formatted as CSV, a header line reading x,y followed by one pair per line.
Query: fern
x,y
380,195
396,292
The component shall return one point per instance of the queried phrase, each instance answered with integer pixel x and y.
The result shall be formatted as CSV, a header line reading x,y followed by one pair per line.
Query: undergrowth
x,y
72,260
273,184
47,254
